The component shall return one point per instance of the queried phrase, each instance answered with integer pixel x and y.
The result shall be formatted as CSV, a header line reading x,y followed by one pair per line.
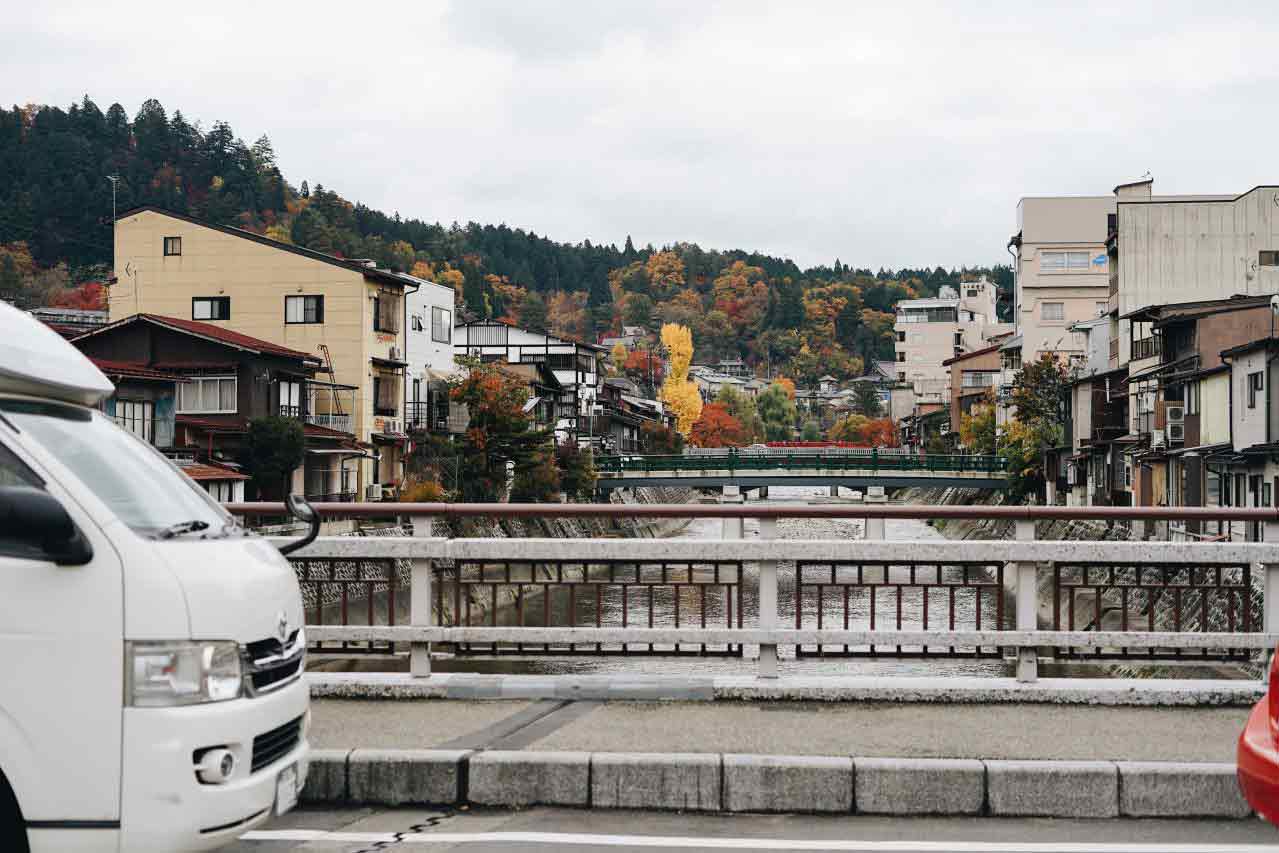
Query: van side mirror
x,y
302,510
35,518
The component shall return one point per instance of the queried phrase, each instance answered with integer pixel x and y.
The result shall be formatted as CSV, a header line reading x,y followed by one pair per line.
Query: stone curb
x,y
1113,692
711,782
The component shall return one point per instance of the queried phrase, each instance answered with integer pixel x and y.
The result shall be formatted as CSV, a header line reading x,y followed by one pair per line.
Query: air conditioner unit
x,y
1176,432
373,492
1157,438
395,353
1176,415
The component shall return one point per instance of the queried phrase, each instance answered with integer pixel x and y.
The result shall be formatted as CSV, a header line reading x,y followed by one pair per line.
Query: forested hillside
x,y
55,232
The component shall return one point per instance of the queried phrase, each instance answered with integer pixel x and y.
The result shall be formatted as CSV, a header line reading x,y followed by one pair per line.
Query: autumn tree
x,y
977,428
660,439
866,399
678,391
500,435
777,411
665,273
716,428
617,359
742,408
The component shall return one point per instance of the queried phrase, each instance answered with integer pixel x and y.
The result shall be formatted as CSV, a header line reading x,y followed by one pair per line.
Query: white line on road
x,y
669,841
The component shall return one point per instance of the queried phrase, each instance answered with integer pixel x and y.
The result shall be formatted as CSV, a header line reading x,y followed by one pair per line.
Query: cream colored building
x,y
177,266
931,331
1174,249
1061,271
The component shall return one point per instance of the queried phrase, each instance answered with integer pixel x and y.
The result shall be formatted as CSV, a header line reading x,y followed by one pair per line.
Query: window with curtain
x,y
441,325
207,395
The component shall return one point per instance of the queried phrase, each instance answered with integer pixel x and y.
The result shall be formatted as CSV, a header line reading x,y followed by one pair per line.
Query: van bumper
x,y
165,807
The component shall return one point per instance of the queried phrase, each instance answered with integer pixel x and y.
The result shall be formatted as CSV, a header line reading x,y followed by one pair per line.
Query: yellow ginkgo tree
x,y
678,391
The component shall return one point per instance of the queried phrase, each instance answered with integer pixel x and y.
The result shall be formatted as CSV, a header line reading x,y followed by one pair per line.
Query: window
x,y
1052,312
1063,261
304,309
172,246
222,491
386,313
290,398
14,473
972,292
901,356
1256,384
1192,398
1268,258
441,325
901,337
207,395
137,416
415,322
210,308
901,376
386,395
1265,494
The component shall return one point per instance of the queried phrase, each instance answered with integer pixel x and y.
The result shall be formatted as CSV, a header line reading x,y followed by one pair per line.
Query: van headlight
x,y
182,672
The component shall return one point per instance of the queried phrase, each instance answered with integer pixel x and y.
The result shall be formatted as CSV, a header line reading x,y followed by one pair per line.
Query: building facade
x,y
1060,271
347,314
576,366
930,331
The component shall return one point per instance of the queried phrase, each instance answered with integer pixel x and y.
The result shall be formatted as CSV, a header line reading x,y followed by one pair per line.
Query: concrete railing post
x,y
420,615
876,527
731,528
1270,591
1027,606
767,601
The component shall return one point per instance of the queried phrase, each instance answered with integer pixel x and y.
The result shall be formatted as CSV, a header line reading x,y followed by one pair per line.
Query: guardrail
x,y
1135,601
870,460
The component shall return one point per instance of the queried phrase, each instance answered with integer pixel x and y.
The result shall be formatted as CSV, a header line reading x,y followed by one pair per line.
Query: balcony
x,y
331,497
1143,348
331,420
427,415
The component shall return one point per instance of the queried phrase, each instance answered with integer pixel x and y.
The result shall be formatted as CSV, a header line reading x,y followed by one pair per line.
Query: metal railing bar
x,y
792,637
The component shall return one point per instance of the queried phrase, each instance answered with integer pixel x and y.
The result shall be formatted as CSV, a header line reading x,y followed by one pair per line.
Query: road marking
x,y
669,841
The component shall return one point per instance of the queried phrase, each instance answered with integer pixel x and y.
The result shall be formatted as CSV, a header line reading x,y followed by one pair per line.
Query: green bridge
x,y
803,468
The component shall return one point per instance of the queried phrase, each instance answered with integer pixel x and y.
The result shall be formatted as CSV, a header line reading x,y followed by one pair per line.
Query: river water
x,y
891,605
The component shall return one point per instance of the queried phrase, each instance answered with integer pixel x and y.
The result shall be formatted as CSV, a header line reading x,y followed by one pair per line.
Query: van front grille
x,y
271,746
270,664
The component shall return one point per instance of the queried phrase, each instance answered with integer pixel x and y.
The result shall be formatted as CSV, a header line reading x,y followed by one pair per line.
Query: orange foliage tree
x,y
717,428
90,296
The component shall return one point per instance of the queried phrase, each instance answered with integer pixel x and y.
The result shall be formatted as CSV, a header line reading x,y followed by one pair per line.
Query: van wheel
x,y
13,829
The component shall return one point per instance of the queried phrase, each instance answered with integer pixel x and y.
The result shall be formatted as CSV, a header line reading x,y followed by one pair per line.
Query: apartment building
x,y
347,313
1060,271
930,331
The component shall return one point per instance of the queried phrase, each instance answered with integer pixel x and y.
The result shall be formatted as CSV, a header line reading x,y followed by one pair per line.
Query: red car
x,y
1258,756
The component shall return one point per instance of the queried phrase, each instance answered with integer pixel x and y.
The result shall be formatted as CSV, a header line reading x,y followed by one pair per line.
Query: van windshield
x,y
144,489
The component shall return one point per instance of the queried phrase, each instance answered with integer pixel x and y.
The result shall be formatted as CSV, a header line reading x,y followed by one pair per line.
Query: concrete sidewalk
x,y
1001,731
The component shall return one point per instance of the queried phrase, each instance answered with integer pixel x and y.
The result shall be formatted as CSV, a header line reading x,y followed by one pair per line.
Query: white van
x,y
151,650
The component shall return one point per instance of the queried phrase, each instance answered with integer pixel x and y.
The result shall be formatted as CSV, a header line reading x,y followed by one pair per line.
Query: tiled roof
x,y
204,471
131,369
208,331
228,336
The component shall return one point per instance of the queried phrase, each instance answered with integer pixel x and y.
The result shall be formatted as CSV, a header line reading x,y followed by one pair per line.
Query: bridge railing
x,y
1019,598
846,460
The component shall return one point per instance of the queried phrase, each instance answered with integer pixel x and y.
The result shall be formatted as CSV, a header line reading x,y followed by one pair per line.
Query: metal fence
x,y
1017,597
846,459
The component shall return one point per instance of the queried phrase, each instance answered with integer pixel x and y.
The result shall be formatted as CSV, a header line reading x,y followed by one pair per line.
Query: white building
x,y
428,350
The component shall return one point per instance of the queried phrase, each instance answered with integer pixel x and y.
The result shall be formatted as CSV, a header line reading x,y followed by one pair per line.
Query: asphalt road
x,y
367,830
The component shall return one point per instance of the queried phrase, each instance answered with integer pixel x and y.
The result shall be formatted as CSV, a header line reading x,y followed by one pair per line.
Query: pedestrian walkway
x,y
869,729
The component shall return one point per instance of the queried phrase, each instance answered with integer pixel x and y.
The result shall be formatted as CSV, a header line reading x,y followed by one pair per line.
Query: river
x,y
834,608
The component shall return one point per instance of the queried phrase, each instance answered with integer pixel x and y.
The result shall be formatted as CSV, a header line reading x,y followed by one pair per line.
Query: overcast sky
x,y
882,136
